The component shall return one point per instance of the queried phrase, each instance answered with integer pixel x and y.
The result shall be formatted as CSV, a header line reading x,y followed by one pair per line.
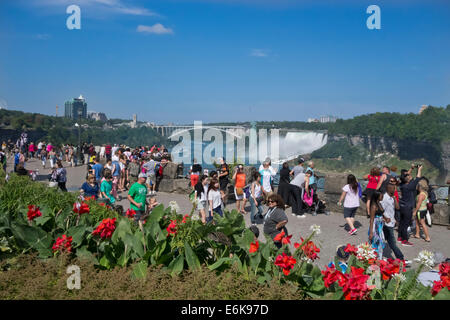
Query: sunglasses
x,y
271,201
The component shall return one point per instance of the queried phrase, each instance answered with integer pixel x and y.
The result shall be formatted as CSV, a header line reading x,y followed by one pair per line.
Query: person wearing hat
x,y
342,257
427,278
298,168
137,195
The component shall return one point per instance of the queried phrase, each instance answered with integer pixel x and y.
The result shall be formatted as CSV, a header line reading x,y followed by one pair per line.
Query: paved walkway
x,y
332,234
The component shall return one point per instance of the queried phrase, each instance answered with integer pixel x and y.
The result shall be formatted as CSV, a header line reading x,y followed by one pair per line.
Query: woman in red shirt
x,y
374,178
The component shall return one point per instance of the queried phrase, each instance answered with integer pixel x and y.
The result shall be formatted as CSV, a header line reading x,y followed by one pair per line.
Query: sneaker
x,y
352,232
399,240
408,262
406,243
327,213
301,216
314,213
293,214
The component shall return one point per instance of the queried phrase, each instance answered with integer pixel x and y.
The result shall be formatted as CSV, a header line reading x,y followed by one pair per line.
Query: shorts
x,y
223,185
201,205
241,197
151,179
368,192
350,212
421,214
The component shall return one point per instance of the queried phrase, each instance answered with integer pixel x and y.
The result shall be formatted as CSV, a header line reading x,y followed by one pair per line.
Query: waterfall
x,y
296,143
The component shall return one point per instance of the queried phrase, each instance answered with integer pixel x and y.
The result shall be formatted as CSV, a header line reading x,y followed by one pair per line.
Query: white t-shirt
x,y
388,204
258,192
266,179
216,198
351,198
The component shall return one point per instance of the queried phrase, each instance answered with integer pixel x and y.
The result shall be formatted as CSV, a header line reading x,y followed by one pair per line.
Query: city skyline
x,y
224,61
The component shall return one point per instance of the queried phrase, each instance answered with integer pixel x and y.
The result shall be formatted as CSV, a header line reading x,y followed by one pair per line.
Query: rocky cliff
x,y
404,149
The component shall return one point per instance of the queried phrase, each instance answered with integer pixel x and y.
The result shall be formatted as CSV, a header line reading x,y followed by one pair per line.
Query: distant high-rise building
x,y
76,108
422,108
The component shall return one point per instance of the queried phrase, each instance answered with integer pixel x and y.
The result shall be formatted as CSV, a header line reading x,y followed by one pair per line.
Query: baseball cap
x,y
142,175
301,160
341,253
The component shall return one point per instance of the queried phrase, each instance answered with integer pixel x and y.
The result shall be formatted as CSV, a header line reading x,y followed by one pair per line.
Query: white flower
x,y
195,216
399,276
195,201
315,228
306,259
173,205
365,252
426,258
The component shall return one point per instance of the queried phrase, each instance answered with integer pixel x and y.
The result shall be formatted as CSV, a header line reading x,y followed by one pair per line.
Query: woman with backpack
x,y
350,193
201,189
374,178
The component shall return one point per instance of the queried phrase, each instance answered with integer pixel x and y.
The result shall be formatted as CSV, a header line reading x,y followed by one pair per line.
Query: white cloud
x,y
260,53
157,28
115,6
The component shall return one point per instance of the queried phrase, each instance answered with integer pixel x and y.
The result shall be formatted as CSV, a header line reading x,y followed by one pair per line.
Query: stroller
x,y
312,204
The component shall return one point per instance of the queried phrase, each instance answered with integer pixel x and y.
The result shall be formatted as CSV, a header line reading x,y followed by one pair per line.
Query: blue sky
x,y
225,60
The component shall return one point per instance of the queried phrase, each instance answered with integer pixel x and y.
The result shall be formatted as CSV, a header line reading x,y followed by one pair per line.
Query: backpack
x,y
158,170
432,197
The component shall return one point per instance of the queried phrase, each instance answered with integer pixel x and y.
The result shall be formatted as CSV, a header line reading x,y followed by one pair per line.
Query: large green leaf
x,y
123,228
140,270
84,253
191,257
77,233
34,237
177,265
218,263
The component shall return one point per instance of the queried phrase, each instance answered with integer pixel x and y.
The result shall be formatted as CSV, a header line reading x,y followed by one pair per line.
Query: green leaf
x,y
191,257
34,237
177,265
77,234
104,262
140,270
218,263
255,259
84,253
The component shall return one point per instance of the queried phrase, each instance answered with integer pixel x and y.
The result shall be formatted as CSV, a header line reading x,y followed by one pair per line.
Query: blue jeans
x,y
253,210
390,239
217,210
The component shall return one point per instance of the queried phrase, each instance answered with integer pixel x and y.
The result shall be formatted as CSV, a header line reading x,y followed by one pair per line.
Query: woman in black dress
x,y
283,186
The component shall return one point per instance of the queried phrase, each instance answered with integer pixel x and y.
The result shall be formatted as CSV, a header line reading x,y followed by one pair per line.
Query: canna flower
x,y
63,244
351,249
389,268
331,275
356,286
33,212
281,237
185,217
130,213
437,287
106,228
172,228
80,208
309,249
254,246
285,262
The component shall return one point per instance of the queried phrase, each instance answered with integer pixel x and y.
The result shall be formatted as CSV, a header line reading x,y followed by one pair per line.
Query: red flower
x,y
437,287
254,246
33,212
350,249
356,287
390,267
102,204
331,275
285,262
63,244
281,237
185,218
89,198
80,208
106,228
309,249
172,228
130,213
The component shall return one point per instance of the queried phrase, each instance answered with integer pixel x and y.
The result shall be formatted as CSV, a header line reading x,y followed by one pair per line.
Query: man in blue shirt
x,y
97,169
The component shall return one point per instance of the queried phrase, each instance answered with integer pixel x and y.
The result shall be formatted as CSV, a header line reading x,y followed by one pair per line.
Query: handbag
x,y
308,199
239,191
428,218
